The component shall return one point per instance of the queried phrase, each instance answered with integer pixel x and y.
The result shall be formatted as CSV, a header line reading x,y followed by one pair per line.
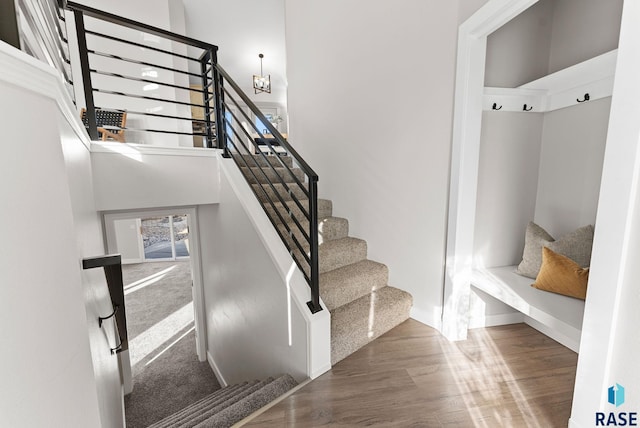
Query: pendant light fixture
x,y
262,83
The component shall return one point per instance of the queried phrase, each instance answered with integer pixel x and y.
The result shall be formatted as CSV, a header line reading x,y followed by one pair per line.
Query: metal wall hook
x,y
586,98
117,349
495,106
524,108
100,319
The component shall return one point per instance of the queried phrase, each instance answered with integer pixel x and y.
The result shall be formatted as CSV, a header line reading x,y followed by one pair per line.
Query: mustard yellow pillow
x,y
559,274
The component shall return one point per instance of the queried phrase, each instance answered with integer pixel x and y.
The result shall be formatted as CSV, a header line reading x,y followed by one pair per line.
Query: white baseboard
x,y
430,318
320,371
216,370
572,343
495,320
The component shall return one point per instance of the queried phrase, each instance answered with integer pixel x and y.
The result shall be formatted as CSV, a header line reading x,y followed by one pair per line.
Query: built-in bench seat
x,y
557,316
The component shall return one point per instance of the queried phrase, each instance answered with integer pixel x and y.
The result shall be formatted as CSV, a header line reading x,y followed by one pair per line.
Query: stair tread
x,y
363,320
192,418
210,400
343,285
249,404
228,405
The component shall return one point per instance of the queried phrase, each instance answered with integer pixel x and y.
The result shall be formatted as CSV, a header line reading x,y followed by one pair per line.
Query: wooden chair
x,y
111,123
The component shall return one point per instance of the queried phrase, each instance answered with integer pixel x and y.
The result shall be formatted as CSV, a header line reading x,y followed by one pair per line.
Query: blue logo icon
x,y
616,395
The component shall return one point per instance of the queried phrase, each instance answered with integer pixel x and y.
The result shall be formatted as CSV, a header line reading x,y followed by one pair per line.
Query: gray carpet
x,y
167,375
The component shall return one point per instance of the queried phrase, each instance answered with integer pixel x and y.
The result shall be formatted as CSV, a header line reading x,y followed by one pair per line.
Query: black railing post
x,y
221,135
9,31
86,75
314,304
205,60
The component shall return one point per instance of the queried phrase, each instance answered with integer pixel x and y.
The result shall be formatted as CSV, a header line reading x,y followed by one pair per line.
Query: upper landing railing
x,y
165,86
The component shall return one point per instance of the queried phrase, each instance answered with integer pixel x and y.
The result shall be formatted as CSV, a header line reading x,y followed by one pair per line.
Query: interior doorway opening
x,y
176,231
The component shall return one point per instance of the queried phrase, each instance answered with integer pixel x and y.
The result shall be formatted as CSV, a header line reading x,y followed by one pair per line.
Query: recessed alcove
x,y
533,153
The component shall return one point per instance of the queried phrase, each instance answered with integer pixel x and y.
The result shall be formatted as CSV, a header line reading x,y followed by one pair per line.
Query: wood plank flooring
x,y
508,376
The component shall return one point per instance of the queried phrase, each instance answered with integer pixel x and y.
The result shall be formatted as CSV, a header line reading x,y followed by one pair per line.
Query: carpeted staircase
x,y
228,405
353,288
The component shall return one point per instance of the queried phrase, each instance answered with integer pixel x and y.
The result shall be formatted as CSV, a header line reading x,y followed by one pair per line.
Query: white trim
x,y
472,45
148,149
558,90
496,320
561,333
513,99
216,371
124,364
140,240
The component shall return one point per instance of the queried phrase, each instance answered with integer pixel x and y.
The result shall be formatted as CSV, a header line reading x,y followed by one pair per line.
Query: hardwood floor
x,y
508,376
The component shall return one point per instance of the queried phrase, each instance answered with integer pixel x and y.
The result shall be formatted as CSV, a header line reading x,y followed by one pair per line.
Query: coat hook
x,y
524,108
495,106
586,98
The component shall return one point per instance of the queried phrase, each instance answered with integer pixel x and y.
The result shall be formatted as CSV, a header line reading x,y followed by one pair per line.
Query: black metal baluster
x,y
86,75
221,134
205,59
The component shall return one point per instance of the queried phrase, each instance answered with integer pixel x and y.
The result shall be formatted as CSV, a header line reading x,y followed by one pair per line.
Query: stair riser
x,y
353,326
329,229
332,257
332,228
335,258
341,286
266,175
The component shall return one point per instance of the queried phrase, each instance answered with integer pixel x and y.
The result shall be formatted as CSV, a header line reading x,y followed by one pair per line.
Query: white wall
x,y
571,166
507,185
370,102
583,29
57,370
89,242
135,177
518,52
257,320
242,30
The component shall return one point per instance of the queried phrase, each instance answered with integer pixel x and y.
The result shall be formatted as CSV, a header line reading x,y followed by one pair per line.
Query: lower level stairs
x,y
228,405
354,289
